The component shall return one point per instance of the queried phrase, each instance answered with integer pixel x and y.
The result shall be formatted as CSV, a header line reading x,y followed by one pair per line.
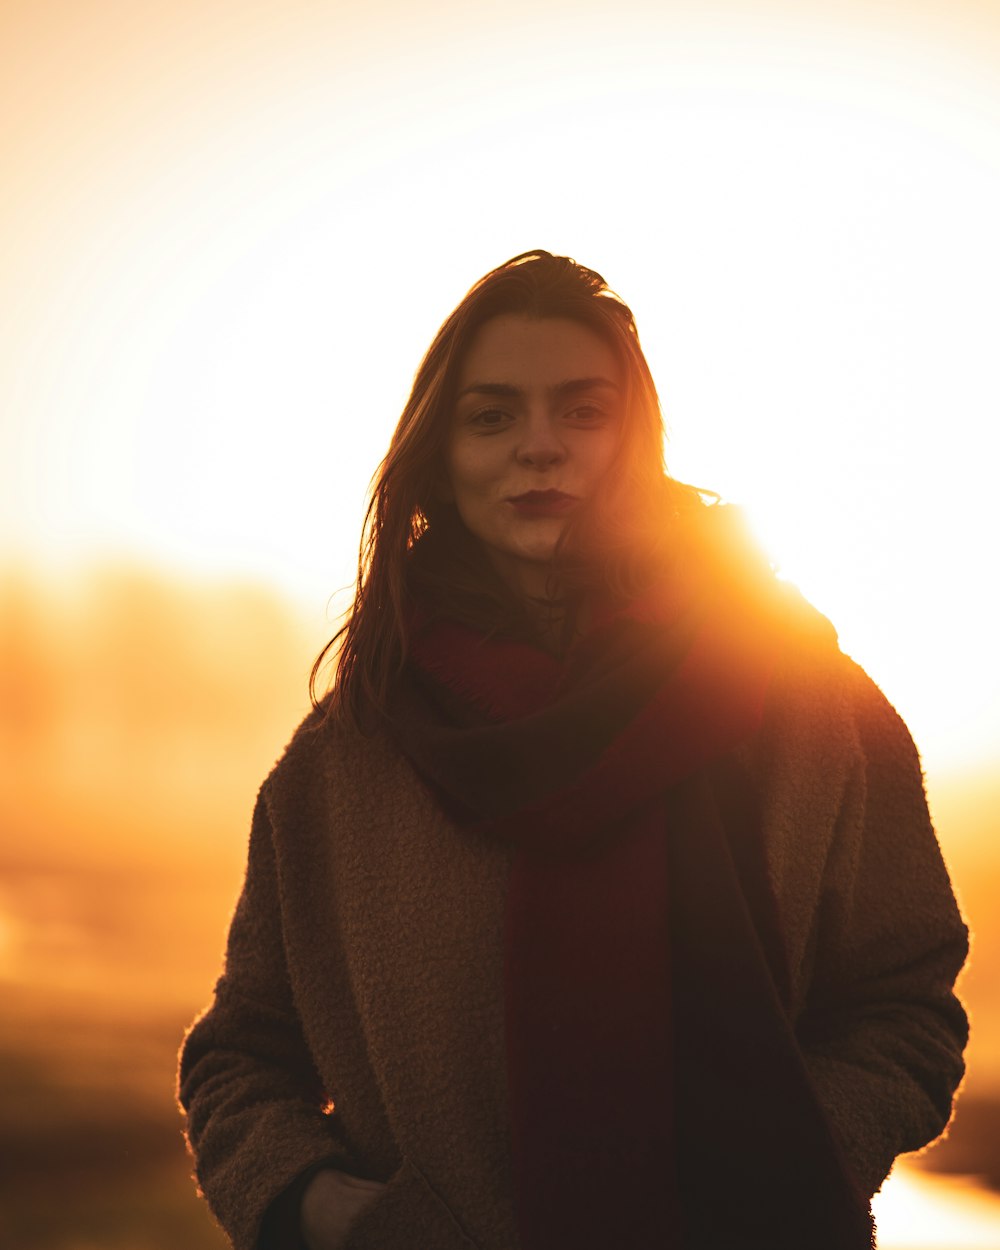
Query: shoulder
x,y
327,746
824,715
818,697
728,569
816,684
318,734
332,773
814,681
882,733
832,755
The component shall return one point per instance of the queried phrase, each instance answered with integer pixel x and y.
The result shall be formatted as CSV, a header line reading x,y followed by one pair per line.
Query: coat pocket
x,y
408,1215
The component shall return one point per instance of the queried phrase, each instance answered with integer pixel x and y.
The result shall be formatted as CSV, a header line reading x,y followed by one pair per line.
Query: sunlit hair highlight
x,y
413,542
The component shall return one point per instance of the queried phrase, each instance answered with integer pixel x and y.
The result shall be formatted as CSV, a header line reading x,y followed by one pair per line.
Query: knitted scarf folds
x,y
657,1094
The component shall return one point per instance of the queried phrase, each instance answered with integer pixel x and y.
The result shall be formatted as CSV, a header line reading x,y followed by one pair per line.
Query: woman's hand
x,y
331,1203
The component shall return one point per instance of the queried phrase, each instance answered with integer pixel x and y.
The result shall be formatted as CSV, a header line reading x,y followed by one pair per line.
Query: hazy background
x,y
227,233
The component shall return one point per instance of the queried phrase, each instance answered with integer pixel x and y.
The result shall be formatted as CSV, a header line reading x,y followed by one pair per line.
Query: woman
x,y
597,905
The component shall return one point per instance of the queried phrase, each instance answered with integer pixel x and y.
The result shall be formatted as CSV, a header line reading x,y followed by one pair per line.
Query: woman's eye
x,y
586,413
489,418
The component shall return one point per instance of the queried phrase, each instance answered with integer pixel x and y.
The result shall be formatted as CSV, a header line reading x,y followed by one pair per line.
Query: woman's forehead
x,y
536,351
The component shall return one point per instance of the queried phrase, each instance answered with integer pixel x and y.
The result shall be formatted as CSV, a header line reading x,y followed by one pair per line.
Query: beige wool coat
x,y
359,1019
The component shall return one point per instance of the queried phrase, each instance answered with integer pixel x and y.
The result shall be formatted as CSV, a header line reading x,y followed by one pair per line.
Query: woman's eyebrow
x,y
571,386
575,385
491,388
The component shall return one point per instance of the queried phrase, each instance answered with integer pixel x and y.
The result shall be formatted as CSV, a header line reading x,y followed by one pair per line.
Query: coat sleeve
x,y
257,1116
883,1032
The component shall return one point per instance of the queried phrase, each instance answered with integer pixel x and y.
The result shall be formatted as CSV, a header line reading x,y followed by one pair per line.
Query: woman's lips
x,y
542,503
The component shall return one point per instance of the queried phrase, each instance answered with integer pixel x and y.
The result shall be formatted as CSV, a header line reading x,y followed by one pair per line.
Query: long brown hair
x,y
413,540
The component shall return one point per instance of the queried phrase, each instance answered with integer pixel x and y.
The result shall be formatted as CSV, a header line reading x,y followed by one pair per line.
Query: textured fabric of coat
x,y
359,1019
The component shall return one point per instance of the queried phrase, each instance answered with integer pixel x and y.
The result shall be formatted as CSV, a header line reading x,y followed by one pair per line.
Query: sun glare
x,y
920,1211
229,231
220,306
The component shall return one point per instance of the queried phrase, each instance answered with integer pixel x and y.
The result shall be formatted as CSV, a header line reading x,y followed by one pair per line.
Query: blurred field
x,y
137,720
92,1155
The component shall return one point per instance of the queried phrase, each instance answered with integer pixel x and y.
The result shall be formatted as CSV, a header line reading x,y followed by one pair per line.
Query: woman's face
x,y
536,426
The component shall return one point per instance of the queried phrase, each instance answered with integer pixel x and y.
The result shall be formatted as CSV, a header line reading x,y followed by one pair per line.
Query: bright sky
x,y
229,229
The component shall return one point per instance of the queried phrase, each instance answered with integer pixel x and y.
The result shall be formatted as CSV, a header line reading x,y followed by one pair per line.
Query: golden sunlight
x,y
221,305
229,231
917,1211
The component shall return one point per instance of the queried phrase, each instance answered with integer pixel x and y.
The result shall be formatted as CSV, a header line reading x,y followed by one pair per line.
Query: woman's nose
x,y
540,447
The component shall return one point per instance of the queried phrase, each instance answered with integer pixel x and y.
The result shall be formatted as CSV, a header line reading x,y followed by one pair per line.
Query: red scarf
x,y
598,769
